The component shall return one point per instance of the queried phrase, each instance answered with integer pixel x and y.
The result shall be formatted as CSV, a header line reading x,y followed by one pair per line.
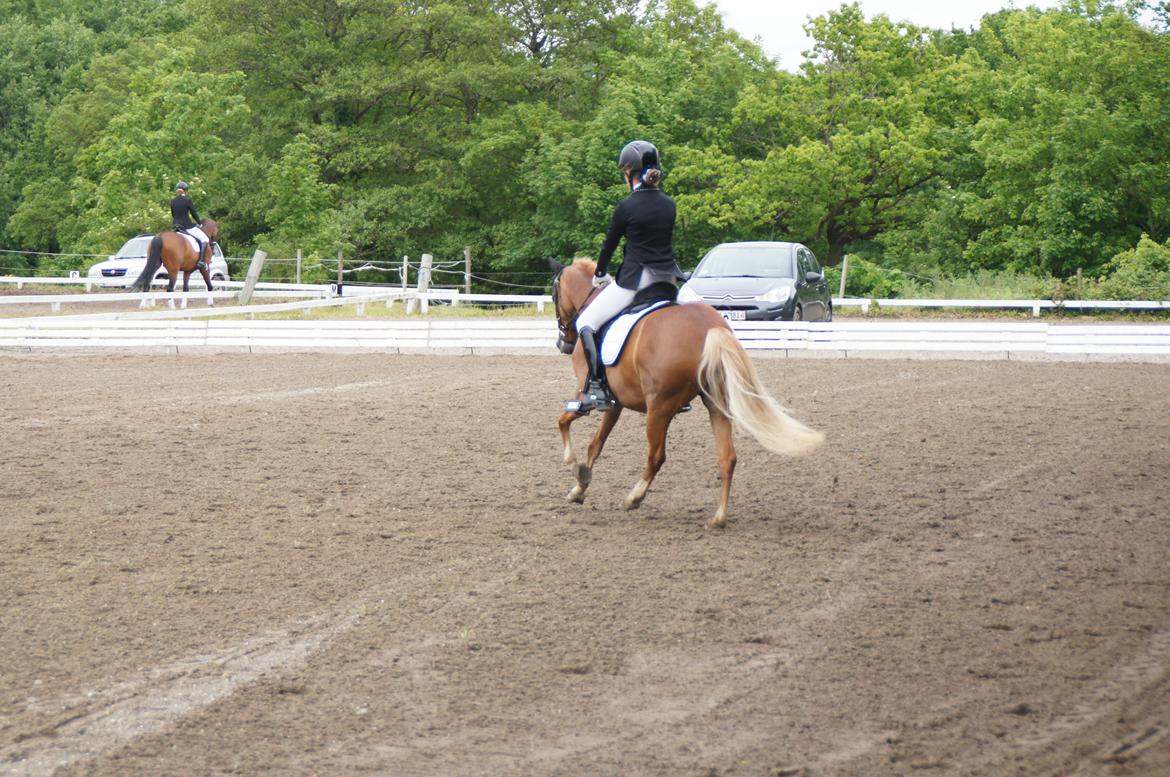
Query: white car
x,y
124,267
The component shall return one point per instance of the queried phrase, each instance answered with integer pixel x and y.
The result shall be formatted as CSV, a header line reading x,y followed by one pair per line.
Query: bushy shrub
x,y
866,279
1142,272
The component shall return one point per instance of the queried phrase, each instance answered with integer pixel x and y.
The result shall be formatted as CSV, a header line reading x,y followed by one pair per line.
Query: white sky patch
x,y
779,26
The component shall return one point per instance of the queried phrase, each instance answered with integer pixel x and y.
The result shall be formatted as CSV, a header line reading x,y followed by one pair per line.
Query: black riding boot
x,y
596,394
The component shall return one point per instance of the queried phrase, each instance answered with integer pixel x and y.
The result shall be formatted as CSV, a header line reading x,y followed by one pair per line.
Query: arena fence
x,y
327,294
1022,340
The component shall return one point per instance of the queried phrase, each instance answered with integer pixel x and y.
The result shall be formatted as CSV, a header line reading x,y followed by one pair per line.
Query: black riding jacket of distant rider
x,y
646,220
183,212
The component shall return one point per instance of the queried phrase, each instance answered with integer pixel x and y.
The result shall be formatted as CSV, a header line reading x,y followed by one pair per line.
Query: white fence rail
x,y
455,297
1025,340
1035,305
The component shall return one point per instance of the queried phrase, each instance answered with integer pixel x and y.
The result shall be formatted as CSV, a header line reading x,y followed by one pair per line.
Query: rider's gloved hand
x,y
599,278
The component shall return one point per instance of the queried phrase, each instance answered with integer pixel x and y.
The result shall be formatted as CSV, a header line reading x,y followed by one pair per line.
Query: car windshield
x,y
746,262
135,248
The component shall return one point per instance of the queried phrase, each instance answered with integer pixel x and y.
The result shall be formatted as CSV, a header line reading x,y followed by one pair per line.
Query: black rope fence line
x,y
47,253
441,268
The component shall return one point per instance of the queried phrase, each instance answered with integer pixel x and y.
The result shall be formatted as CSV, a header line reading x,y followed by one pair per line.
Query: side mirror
x,y
813,277
688,275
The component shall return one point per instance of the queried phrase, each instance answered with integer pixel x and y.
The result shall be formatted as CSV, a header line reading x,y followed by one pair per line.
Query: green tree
x,y
169,129
300,210
836,156
1072,142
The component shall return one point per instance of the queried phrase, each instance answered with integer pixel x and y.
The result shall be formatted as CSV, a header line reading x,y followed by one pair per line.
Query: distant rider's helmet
x,y
181,186
638,155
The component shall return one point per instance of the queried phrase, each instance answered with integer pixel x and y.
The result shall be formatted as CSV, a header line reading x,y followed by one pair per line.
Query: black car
x,y
761,281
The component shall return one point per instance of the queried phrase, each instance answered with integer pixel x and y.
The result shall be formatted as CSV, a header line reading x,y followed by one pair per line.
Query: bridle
x,y
564,345
567,330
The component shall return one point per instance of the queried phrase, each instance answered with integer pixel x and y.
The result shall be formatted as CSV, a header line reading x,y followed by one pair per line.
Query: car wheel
x,y
828,313
798,314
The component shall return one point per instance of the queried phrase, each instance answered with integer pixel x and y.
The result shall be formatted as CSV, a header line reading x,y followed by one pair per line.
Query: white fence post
x,y
253,276
466,269
424,282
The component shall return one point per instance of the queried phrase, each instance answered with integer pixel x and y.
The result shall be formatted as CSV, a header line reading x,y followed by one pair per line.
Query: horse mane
x,y
585,264
209,227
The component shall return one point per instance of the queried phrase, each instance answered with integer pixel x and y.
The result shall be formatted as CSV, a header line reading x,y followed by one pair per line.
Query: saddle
x,y
195,242
614,334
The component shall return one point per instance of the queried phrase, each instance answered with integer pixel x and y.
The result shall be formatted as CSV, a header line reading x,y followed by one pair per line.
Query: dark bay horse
x,y
673,355
175,252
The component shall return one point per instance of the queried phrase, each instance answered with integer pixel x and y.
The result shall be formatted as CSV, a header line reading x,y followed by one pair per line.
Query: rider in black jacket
x,y
184,218
646,220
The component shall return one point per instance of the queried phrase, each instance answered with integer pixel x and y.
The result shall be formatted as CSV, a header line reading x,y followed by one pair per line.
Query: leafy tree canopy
x,y
1037,142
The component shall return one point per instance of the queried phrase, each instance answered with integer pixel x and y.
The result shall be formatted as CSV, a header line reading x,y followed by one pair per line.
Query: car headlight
x,y
687,294
778,294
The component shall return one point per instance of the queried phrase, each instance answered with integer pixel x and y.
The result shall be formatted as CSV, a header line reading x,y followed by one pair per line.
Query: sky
x,y
778,24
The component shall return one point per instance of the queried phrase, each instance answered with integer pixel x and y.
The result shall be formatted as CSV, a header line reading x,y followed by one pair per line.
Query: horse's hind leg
x,y
207,278
657,422
721,427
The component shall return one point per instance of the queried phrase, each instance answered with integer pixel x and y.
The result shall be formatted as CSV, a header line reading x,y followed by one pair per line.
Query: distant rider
x,y
646,220
185,219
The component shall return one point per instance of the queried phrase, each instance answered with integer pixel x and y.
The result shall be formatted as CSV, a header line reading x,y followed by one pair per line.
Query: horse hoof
x,y
577,495
634,500
718,522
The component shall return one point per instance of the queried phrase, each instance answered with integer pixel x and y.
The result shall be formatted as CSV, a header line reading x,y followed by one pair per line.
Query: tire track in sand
x,y
129,710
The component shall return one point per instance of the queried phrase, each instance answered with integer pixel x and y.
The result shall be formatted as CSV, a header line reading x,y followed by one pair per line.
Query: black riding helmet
x,y
638,155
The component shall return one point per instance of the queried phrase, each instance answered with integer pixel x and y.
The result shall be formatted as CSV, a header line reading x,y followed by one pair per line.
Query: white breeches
x,y
610,301
197,233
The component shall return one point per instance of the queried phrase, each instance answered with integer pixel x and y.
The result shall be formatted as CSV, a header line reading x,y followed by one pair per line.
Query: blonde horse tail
x,y
729,380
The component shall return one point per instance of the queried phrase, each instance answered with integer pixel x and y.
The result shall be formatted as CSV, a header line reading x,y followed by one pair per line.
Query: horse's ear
x,y
554,265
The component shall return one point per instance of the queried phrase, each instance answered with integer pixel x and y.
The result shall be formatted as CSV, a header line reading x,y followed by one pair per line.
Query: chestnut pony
x,y
174,251
673,355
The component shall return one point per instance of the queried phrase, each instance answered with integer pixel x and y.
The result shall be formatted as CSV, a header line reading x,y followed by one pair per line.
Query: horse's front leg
x,y
658,420
584,472
566,420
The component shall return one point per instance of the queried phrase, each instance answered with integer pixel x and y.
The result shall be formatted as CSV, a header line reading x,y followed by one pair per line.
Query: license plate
x,y
734,315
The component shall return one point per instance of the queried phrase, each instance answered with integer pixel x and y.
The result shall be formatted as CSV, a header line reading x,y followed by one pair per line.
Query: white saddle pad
x,y
619,330
191,239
